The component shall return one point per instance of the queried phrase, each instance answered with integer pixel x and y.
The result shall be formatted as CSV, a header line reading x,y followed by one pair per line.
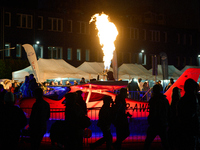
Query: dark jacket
x,y
159,111
105,117
133,86
188,114
13,120
39,115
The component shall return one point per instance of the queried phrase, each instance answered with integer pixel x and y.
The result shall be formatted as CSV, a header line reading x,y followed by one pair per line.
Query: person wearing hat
x,y
13,120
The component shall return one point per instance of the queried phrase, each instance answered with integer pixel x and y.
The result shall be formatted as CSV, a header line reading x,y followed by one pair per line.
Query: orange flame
x,y
107,33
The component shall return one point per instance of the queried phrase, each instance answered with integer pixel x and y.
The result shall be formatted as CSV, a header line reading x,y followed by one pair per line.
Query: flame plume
x,y
107,33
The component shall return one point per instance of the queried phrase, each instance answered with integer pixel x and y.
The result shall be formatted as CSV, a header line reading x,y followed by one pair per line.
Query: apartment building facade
x,y
70,37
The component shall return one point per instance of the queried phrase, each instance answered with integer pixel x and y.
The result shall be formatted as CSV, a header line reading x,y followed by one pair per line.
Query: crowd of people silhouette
x,y
177,124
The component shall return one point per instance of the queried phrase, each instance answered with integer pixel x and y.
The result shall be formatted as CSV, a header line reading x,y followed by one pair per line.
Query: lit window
x,y
24,21
55,52
59,53
7,18
78,54
38,50
18,50
55,24
144,59
69,54
50,52
7,50
87,55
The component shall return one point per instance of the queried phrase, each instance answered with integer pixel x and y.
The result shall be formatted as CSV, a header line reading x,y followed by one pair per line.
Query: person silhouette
x,y
38,119
80,101
13,120
104,122
74,130
158,119
120,118
173,124
133,89
24,88
188,116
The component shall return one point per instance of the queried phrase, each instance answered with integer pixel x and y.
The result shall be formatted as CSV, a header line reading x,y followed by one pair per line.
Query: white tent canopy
x,y
187,67
93,69
173,72
51,69
58,68
129,71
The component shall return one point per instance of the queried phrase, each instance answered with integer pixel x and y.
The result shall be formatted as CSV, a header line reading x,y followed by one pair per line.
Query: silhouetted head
x,y
156,89
139,80
79,92
172,80
38,93
107,100
9,98
70,99
176,90
123,92
31,76
190,86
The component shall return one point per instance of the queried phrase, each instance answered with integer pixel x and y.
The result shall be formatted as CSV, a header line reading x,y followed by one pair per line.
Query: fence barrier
x,y
138,125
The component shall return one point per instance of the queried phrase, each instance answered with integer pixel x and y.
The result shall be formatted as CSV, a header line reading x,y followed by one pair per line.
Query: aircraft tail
x,y
192,73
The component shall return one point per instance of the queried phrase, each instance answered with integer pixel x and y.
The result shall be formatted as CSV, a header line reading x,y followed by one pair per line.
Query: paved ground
x,y
129,146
